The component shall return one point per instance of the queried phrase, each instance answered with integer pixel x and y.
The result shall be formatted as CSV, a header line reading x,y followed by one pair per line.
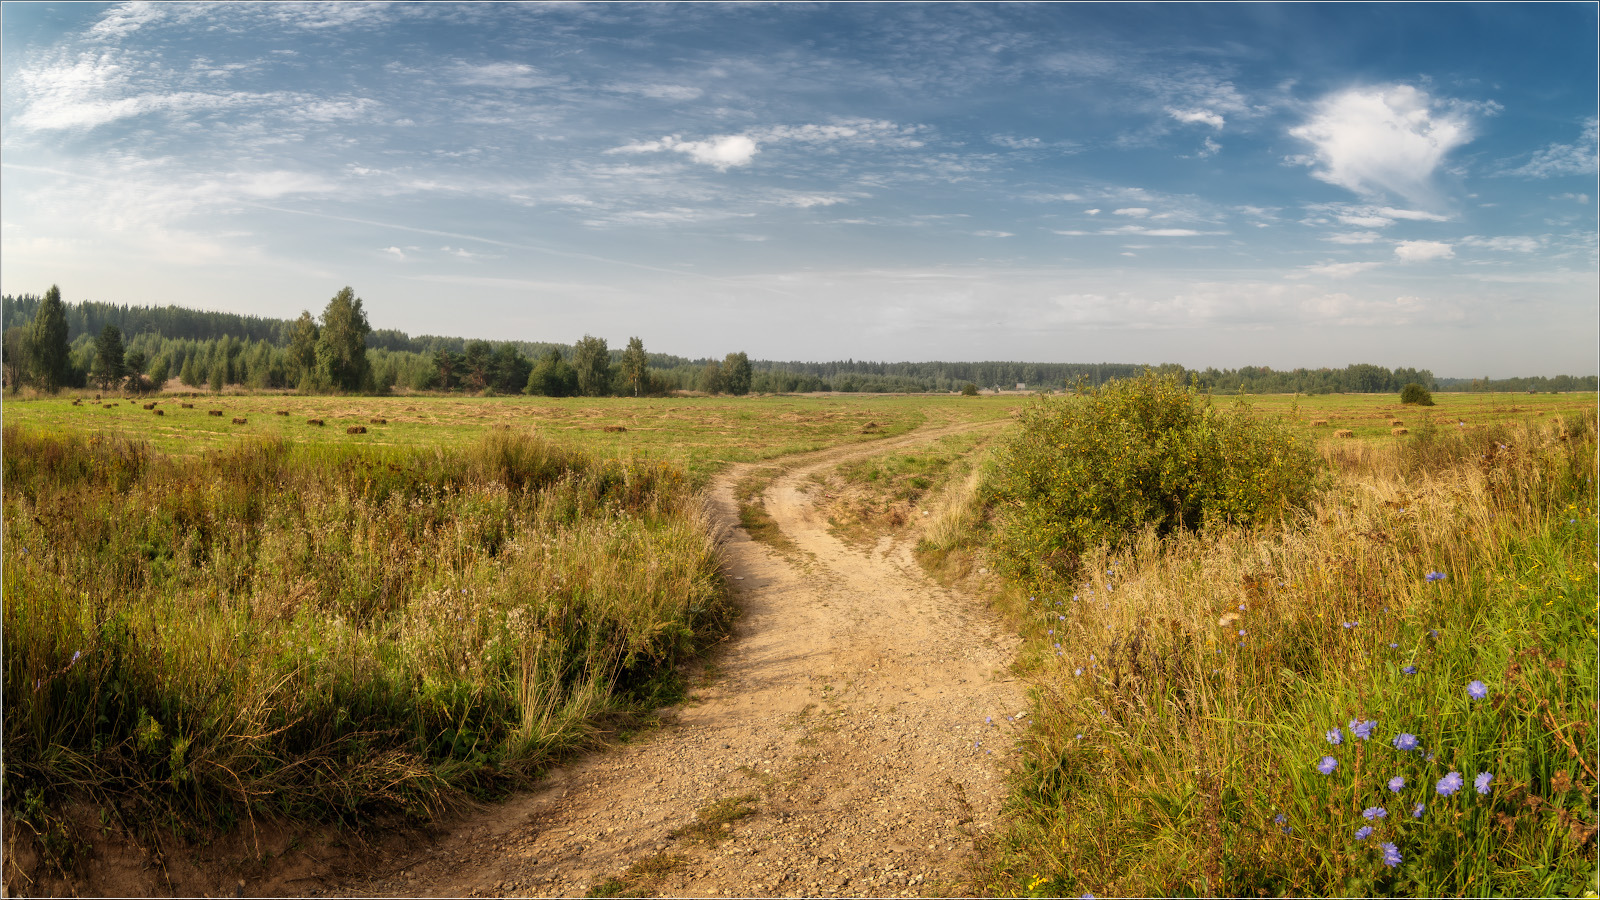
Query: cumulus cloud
x,y
395,252
1381,140
1137,212
1578,158
1422,251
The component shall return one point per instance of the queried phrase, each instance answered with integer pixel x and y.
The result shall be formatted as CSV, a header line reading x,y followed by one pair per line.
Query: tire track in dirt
x,y
860,710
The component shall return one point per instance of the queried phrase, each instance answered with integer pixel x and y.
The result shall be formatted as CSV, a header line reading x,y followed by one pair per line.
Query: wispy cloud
x,y
1582,157
1422,251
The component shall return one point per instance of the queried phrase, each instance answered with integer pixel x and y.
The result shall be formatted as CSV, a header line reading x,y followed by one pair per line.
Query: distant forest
x,y
211,349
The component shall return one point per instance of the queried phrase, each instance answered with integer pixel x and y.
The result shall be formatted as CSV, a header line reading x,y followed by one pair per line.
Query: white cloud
x,y
1422,251
1016,143
994,234
1091,212
1197,117
508,75
1579,158
1412,215
1503,243
1341,270
1135,211
1158,232
720,151
806,201
1353,237
396,252
1360,221
1579,198
1383,140
660,91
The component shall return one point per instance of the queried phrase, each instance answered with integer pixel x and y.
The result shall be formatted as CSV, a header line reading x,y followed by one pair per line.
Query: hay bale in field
x,y
1316,422
213,412
1399,431
356,429
77,403
379,421
239,421
1396,422
616,428
283,412
108,406
149,406
316,422
1344,433
187,405
160,412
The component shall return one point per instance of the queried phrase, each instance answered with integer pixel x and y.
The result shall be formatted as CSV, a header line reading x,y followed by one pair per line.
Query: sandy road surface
x,y
859,709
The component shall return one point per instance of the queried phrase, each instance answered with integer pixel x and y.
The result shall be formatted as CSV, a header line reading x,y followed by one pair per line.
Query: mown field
x,y
698,433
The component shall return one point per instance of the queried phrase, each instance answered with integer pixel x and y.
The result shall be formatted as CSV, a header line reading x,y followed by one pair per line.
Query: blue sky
x,y
1295,185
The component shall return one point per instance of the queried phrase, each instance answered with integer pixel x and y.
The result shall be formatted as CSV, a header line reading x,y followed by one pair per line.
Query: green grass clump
x,y
1100,467
325,632
1189,689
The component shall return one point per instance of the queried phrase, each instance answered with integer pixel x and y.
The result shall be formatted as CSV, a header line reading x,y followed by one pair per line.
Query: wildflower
x,y
988,720
1409,670
1482,782
1078,671
1435,576
1396,784
1327,765
1363,832
1476,690
1449,784
1058,646
1374,812
1405,741
1362,728
75,655
1394,646
1416,811
1282,819
1391,855
1335,736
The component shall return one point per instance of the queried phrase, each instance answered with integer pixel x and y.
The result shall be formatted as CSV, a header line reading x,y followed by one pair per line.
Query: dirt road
x,y
850,739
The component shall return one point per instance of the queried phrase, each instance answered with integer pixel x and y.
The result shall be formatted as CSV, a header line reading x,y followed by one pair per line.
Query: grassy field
x,y
698,433
1393,693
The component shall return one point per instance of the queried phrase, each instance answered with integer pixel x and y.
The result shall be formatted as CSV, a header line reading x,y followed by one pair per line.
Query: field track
x,y
860,710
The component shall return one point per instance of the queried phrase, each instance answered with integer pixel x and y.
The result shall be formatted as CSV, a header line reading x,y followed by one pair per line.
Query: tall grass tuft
x,y
333,633
1393,694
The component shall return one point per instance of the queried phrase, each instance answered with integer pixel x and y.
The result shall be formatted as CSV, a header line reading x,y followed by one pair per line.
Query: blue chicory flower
x,y
1449,784
1396,784
1482,782
1335,736
1327,764
1363,832
1362,728
1391,855
1435,576
1476,690
1405,741
1374,812
1410,670
1416,811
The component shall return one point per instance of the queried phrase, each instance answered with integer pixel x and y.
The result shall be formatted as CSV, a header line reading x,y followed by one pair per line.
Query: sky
x,y
1206,184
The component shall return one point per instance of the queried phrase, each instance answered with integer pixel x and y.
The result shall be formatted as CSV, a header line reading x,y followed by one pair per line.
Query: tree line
x,y
56,345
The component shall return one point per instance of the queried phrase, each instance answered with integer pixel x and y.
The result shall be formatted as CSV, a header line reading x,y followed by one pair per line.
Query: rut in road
x,y
859,721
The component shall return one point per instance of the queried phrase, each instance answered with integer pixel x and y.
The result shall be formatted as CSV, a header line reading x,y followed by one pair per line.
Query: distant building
x,y
1021,386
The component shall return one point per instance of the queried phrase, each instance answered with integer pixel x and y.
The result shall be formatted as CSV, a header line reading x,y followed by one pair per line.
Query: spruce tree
x,y
51,356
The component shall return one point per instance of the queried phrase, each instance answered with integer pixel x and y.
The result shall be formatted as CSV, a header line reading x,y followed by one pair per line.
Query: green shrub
x,y
969,390
1416,393
1135,454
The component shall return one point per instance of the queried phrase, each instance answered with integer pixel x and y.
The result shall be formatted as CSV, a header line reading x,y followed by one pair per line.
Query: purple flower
x,y
1449,784
1410,670
1391,855
1282,819
1482,782
1374,812
1435,576
1396,784
1350,624
1405,741
1394,646
1363,832
1335,736
1078,671
1327,764
1362,728
1476,690
1416,811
